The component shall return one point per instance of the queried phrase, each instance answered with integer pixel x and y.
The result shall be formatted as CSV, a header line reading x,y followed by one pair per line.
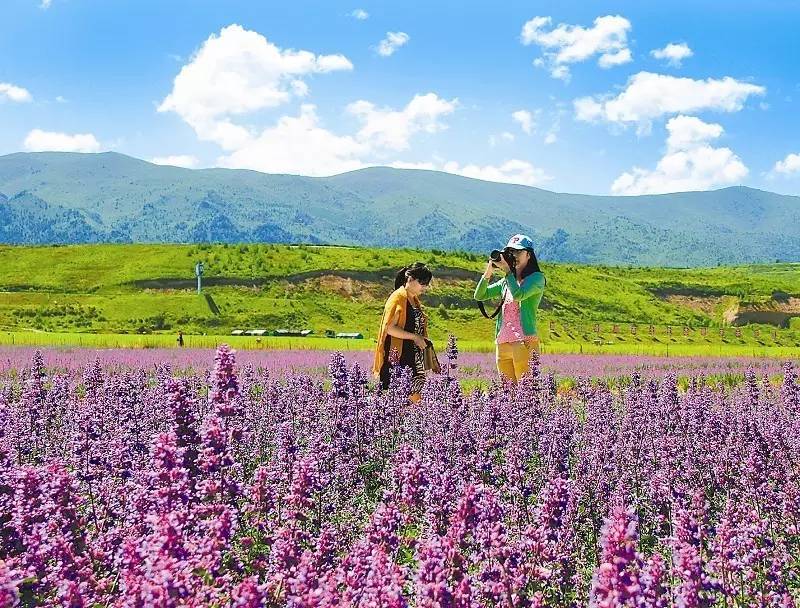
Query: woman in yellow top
x,y
404,328
521,289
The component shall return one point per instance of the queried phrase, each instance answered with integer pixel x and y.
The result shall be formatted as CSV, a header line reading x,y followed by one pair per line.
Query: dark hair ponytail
x,y
417,270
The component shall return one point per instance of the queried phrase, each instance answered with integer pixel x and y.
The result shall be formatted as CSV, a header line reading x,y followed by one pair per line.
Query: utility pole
x,y
198,270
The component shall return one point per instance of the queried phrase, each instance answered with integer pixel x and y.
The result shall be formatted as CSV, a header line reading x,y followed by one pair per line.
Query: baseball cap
x,y
520,241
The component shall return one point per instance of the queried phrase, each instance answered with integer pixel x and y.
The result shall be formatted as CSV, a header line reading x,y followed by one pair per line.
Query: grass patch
x,y
147,293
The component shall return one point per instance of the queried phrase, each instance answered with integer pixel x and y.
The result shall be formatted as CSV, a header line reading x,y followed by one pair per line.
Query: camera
x,y
497,254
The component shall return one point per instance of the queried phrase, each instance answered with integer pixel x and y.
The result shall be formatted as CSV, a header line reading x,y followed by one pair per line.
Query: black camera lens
x,y
495,255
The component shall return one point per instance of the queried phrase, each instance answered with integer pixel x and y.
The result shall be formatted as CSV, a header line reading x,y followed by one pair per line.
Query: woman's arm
x,y
394,330
531,285
484,290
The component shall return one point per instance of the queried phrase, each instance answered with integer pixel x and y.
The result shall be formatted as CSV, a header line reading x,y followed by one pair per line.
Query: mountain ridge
x,y
52,197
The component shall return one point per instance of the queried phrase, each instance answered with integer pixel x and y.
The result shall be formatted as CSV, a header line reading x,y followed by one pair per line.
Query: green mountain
x,y
53,197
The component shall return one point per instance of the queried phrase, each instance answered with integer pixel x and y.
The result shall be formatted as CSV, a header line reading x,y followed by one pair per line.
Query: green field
x,y
141,295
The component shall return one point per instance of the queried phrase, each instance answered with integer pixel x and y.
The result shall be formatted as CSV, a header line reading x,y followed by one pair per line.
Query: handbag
x,y
429,359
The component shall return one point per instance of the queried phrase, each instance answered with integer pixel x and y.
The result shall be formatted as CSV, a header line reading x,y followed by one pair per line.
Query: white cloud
x,y
48,141
360,14
299,88
186,161
61,99
14,93
237,72
788,166
551,136
45,4
513,171
648,96
392,42
690,162
588,109
387,128
688,131
299,145
566,44
674,53
609,60
504,136
561,72
526,120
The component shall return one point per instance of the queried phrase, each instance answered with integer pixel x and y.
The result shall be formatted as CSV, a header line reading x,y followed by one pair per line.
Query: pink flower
x,y
616,581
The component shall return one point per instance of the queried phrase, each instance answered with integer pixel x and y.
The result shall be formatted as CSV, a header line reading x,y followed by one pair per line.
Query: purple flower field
x,y
474,366
243,484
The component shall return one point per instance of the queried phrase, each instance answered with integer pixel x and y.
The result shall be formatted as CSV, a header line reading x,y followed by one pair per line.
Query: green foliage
x,y
152,288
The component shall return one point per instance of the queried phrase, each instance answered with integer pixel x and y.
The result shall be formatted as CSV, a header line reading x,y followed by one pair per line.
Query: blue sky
x,y
569,96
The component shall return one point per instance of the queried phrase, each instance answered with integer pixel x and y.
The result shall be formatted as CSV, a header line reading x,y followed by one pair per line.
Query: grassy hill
x,y
51,197
150,289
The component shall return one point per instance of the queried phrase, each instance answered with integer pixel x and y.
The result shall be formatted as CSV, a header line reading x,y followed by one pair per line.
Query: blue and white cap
x,y
520,241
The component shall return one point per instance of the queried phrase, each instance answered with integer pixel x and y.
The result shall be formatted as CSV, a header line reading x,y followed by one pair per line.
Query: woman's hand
x,y
503,265
420,341
489,270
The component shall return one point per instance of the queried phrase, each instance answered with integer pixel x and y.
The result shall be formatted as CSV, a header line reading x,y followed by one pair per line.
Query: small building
x,y
329,333
256,332
237,332
295,333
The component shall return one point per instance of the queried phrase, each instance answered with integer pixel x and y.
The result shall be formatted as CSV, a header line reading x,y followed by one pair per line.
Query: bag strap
x,y
496,310
487,315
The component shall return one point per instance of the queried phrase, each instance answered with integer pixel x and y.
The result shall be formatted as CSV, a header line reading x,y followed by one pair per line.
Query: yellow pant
x,y
513,357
